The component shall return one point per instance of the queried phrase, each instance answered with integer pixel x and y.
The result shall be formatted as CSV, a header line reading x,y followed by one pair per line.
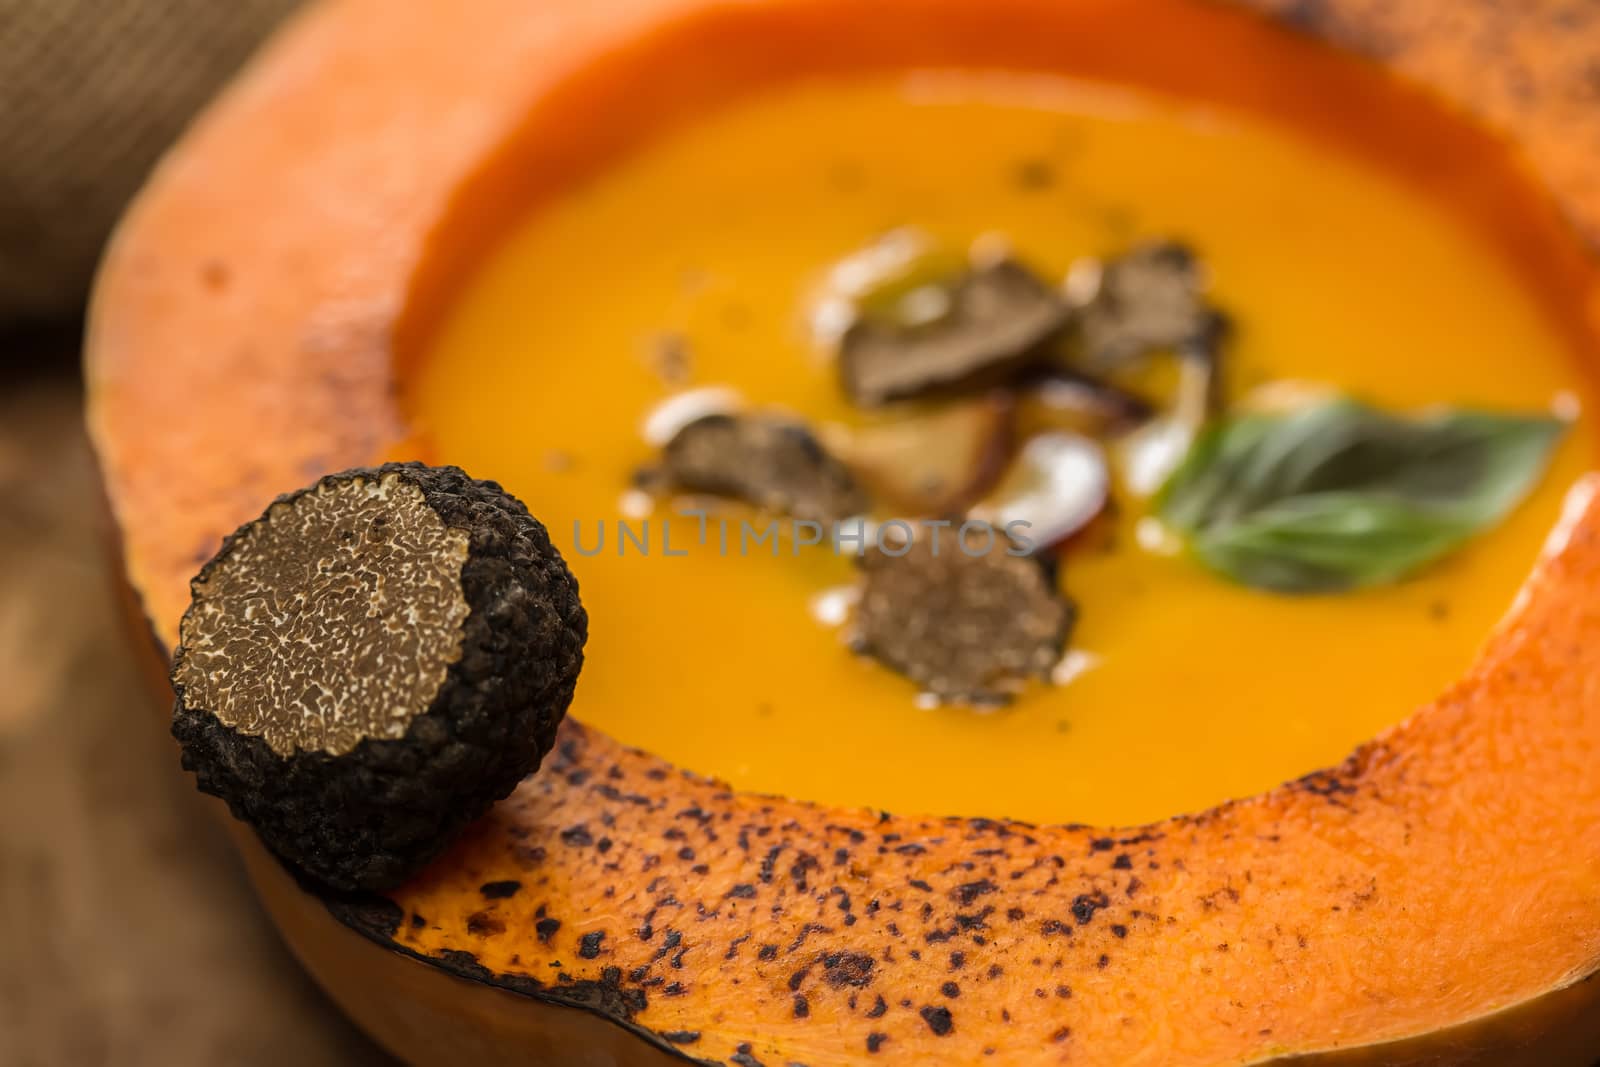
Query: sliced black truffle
x,y
767,460
995,321
964,618
372,663
1152,298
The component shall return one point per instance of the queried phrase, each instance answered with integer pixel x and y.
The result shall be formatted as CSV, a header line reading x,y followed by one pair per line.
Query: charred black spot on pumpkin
x,y
805,932
681,1037
546,929
997,320
966,894
939,1019
500,890
483,924
1084,905
842,969
768,863
769,461
875,1041
1330,785
968,921
589,944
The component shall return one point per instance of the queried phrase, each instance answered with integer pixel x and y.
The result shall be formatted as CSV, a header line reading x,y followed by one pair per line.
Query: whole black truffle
x,y
372,663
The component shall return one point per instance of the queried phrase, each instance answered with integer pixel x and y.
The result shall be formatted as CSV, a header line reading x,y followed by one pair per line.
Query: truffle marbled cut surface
x,y
334,621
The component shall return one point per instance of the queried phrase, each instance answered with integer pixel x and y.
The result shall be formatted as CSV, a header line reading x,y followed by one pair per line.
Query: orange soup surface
x,y
705,246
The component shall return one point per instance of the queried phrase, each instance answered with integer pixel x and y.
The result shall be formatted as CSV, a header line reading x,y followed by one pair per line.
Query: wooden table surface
x,y
127,932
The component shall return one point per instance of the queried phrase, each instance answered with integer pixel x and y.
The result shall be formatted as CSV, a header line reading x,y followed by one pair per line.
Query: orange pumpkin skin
x,y
1434,899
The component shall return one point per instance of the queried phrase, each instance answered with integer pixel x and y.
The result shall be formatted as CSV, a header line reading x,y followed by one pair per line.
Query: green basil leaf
x,y
1340,495
1328,542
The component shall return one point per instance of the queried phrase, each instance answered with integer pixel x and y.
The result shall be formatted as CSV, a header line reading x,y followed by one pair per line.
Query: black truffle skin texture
x,y
373,816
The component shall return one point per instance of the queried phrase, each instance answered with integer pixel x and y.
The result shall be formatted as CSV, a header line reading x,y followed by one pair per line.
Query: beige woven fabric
x,y
91,92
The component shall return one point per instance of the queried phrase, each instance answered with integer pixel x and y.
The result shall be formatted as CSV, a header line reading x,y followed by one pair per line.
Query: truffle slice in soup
x,y
982,329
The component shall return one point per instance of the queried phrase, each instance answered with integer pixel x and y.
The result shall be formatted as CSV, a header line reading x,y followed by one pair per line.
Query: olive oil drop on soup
x,y
696,262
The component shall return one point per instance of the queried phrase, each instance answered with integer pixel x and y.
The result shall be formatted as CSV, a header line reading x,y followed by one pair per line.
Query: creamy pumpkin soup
x,y
1138,342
